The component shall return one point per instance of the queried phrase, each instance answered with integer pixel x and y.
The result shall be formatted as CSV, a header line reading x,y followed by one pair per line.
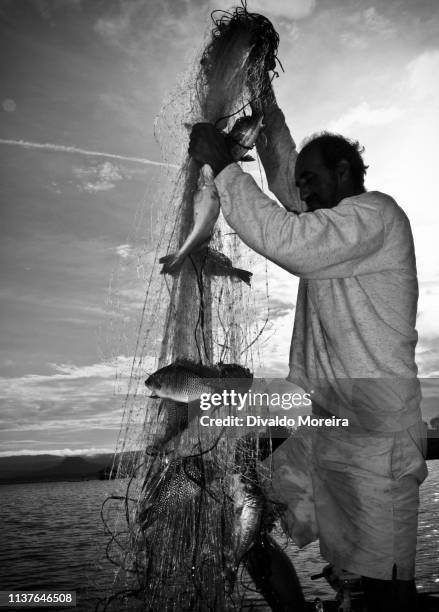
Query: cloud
x,y
422,76
47,146
48,8
363,114
368,21
140,29
375,22
338,26
54,302
280,308
63,452
100,177
105,420
290,9
427,358
125,251
70,371
115,28
353,40
72,397
427,322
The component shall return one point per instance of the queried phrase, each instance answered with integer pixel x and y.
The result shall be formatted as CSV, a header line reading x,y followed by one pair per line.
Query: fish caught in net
x,y
193,506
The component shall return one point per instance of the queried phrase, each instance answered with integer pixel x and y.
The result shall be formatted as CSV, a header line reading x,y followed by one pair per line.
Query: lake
x,y
52,538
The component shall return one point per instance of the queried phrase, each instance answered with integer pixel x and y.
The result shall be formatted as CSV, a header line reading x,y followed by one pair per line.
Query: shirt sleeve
x,y
327,243
277,151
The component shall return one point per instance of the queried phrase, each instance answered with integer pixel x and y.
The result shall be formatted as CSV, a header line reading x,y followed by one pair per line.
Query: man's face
x,y
318,185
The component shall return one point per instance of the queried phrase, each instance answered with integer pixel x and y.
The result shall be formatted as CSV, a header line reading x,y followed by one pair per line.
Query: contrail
x,y
67,149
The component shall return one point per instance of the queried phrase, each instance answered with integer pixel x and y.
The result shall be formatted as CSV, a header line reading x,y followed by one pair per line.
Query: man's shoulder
x,y
381,202
373,199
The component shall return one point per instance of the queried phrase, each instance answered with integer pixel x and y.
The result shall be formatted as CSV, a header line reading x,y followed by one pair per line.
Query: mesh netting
x,y
175,535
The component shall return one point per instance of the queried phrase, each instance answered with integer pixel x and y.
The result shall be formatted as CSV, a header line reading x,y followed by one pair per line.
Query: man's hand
x,y
208,146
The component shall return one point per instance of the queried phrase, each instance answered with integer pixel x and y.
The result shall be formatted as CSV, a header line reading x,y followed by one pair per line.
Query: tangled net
x,y
171,529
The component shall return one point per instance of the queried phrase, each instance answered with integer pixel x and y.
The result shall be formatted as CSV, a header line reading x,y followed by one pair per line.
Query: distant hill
x,y
46,468
26,464
34,468
73,466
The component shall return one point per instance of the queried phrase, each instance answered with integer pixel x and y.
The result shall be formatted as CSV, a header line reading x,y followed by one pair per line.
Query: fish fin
x,y
243,275
216,257
198,369
171,264
247,158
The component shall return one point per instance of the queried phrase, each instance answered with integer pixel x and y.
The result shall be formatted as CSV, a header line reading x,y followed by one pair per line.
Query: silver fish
x,y
172,486
177,420
241,138
181,381
248,506
274,575
206,212
249,503
184,381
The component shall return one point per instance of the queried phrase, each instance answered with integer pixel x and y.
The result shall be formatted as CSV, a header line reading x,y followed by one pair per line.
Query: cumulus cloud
x,y
430,397
71,371
290,9
363,114
114,28
427,322
280,308
47,9
72,397
139,28
376,22
422,76
98,177
63,452
368,21
125,251
58,302
353,40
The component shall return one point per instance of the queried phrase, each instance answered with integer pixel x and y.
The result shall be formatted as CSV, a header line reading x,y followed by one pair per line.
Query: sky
x,y
81,85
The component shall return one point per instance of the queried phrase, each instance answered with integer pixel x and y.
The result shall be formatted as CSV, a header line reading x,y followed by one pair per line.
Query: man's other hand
x,y
208,146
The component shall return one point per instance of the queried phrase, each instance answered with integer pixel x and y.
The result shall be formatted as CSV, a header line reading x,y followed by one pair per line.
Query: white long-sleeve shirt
x,y
354,334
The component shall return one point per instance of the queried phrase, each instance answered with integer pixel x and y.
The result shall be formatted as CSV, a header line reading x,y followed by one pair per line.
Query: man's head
x,y
328,169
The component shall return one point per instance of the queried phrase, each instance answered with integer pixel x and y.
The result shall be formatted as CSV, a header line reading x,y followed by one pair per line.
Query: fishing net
x,y
172,536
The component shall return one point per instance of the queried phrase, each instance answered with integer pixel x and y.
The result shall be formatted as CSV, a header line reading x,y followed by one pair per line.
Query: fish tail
x,y
243,275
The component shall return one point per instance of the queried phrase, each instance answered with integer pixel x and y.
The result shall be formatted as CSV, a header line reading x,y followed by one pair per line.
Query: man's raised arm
x,y
327,243
278,153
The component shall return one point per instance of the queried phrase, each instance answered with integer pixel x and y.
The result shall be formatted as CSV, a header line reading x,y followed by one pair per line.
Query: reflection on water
x,y
52,538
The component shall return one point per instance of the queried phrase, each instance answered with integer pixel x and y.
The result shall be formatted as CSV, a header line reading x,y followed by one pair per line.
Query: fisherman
x,y
353,346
